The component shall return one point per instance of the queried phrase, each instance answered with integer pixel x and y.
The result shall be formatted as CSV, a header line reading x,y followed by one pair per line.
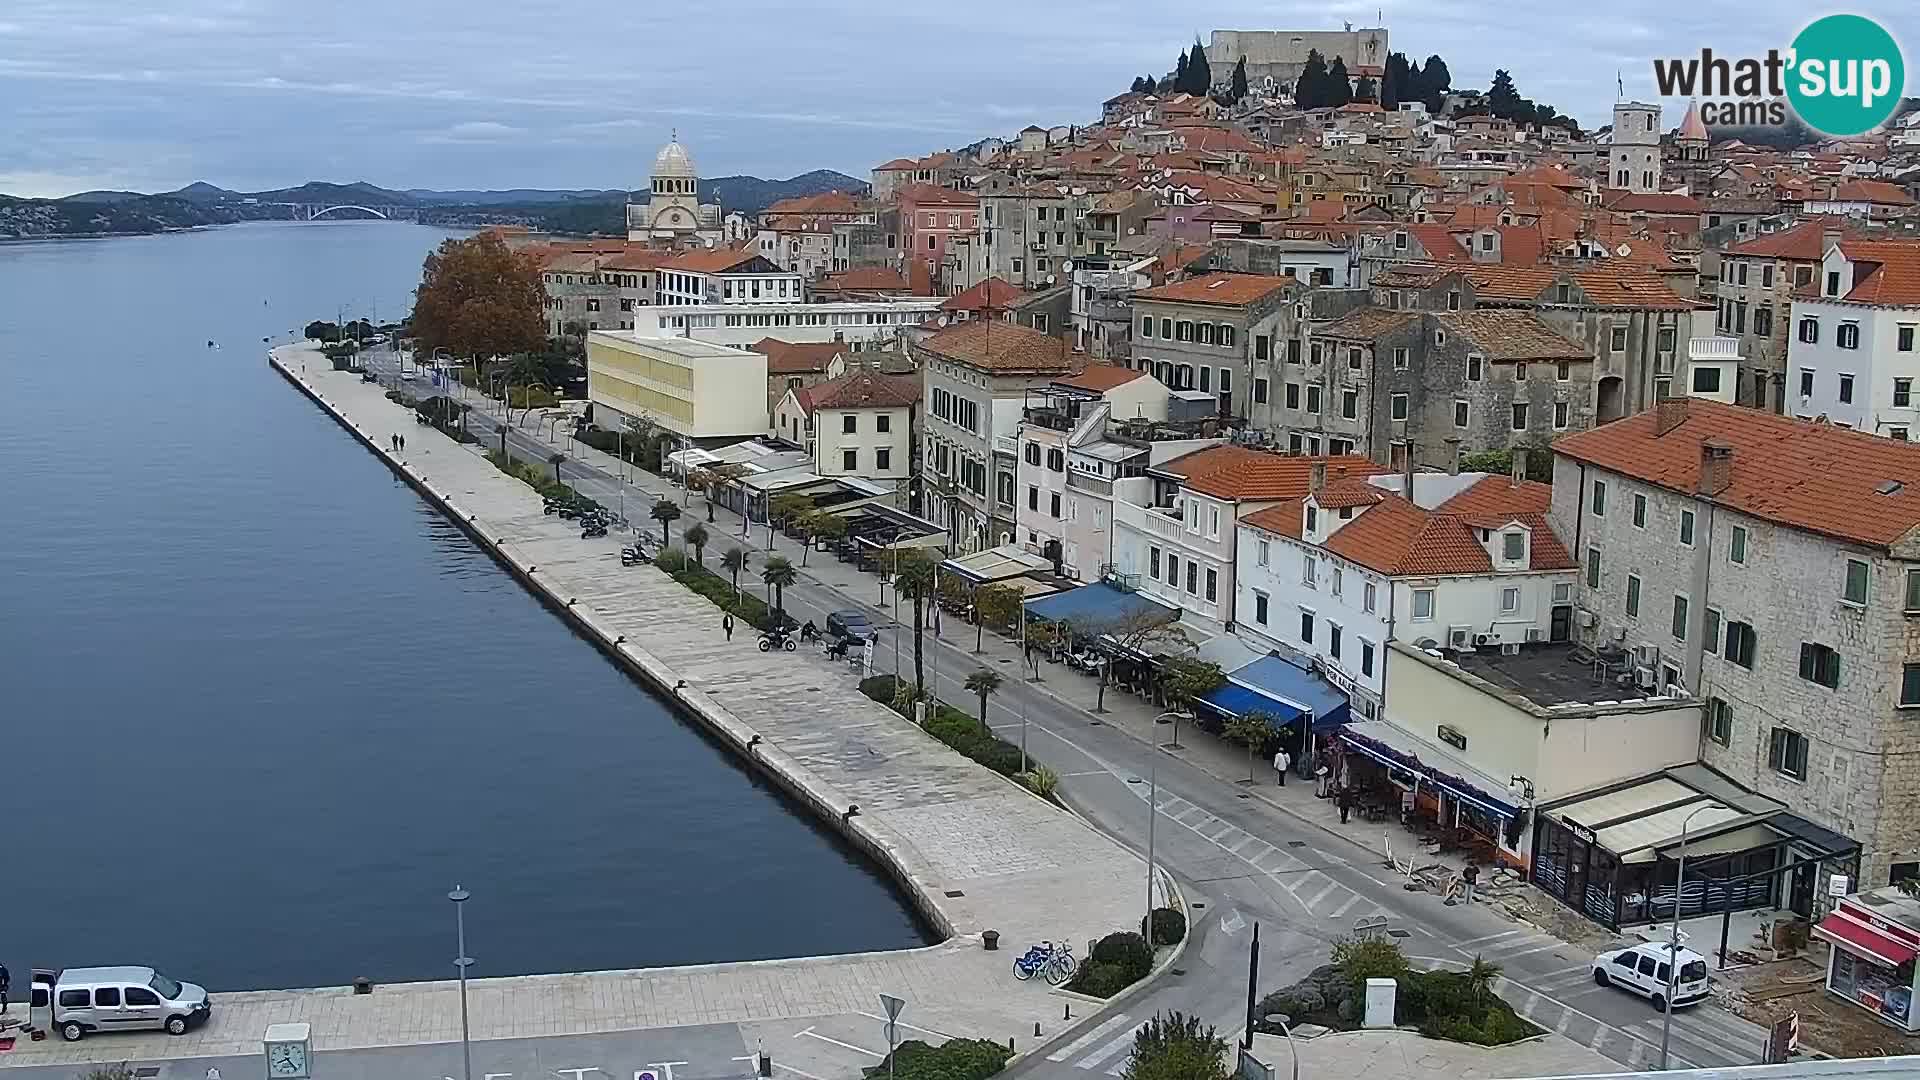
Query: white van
x,y
125,999
1643,970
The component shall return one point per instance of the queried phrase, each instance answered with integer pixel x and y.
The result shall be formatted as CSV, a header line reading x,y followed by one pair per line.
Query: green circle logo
x,y
1846,75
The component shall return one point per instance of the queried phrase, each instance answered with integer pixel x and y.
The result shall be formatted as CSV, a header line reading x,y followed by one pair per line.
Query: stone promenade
x,y
973,850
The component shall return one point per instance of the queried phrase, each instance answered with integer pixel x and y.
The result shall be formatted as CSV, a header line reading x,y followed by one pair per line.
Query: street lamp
x,y
1293,1048
1673,945
462,962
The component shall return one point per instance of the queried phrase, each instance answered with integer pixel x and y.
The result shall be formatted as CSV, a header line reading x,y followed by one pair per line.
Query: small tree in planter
x,y
778,574
1187,680
735,560
666,512
556,461
982,684
1253,729
1177,1047
695,537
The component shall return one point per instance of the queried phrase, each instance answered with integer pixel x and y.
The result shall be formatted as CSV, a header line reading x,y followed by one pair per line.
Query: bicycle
x,y
1053,962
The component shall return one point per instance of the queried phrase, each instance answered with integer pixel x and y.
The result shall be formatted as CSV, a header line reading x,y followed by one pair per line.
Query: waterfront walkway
x,y
978,851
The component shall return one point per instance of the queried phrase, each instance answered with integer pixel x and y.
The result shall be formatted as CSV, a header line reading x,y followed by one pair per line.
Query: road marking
x,y
794,1071
1506,956
1323,894
1600,1034
1124,1042
910,1027
1489,937
1346,907
812,1034
1088,1039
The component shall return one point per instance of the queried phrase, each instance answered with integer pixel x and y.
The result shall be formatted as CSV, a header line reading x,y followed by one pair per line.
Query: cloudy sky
x,y
253,94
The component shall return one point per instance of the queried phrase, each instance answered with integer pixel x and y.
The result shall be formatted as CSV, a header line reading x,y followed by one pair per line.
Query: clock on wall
x,y
289,1049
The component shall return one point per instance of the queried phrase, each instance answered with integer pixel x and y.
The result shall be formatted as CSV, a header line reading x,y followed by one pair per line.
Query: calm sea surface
x,y
260,707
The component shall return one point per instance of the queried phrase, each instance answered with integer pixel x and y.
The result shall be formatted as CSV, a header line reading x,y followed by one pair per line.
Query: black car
x,y
849,626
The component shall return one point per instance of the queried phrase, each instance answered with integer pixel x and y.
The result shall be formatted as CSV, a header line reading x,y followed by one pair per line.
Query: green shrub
x,y
1101,980
1041,780
955,1059
1169,926
879,688
1362,958
1126,948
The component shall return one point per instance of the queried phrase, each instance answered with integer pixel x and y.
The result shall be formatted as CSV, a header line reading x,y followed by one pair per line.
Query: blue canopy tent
x,y
1094,605
1434,765
1287,692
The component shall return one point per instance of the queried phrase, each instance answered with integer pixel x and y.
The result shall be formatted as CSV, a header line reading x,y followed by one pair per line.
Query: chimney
x,y
1716,466
1406,465
1829,236
1317,476
1453,455
1668,414
1519,463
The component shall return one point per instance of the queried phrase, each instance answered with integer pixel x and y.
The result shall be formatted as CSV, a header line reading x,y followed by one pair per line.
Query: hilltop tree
x,y
1199,81
1149,85
1394,83
1367,90
1310,90
1238,88
478,298
1339,83
1435,80
1502,99
1139,84
1180,74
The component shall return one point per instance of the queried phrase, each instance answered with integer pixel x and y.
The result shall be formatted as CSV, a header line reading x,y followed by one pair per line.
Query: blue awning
x,y
1091,606
1275,686
1435,765
1232,699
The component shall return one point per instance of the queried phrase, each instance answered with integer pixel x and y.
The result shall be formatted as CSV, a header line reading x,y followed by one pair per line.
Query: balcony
x,y
1093,485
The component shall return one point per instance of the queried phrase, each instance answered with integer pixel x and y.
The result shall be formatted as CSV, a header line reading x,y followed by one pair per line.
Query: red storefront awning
x,y
1865,940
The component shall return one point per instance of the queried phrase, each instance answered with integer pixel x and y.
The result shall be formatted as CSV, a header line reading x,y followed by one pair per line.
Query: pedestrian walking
x,y
403,443
1344,797
1470,877
1280,762
726,624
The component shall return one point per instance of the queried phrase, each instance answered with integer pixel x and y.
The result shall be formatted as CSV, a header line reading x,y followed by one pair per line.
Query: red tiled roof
x,y
1631,287
715,261
1892,278
867,389
1366,324
1235,472
1512,334
804,396
899,164
1396,537
1100,377
796,358
1871,191
1500,497
1286,519
1653,202
1799,473
1805,241
993,294
1347,492
1227,289
929,195
1001,346
867,279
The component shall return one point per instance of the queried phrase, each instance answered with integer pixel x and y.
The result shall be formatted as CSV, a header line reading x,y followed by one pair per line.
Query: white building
x,y
860,424
1852,356
865,321
1059,423
1633,147
674,212
691,388
1176,527
1468,564
727,276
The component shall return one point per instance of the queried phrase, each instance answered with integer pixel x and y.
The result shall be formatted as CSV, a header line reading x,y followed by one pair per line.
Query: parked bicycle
x,y
1054,962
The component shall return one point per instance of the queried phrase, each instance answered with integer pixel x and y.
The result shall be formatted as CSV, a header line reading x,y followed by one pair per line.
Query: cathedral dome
x,y
673,160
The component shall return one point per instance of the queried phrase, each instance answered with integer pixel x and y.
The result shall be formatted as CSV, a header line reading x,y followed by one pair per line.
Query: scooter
x,y
593,532
632,555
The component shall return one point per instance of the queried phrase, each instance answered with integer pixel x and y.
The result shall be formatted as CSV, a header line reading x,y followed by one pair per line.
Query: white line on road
x,y
1489,937
910,1027
1124,1042
1088,1039
812,1034
1323,894
1346,907
797,1072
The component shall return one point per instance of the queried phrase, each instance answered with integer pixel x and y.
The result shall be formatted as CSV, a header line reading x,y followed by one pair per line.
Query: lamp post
x,y
462,962
1293,1048
1673,946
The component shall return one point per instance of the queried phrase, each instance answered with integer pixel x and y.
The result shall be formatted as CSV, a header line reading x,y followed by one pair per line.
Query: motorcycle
x,y
593,532
629,556
778,640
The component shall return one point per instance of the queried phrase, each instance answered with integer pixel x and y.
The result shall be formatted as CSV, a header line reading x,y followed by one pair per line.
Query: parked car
x,y
1642,969
849,626
125,999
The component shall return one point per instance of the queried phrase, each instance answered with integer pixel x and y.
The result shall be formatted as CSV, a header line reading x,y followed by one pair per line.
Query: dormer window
x,y
1513,546
1313,518
1563,293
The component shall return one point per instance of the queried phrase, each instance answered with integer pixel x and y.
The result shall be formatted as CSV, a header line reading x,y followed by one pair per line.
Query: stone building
x,y
1769,567
1633,147
1028,236
1203,333
1754,298
1280,55
975,379
675,213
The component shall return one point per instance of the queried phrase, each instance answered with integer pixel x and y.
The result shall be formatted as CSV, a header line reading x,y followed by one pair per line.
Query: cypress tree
x,y
1239,86
1179,74
1310,90
1339,85
1199,72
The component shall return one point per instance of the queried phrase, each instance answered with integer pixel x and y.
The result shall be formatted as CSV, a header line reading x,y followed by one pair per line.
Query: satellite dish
x,y
1624,250
942,320
1049,279
1067,267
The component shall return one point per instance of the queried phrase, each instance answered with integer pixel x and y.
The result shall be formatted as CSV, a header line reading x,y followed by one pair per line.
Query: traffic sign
x,y
893,1005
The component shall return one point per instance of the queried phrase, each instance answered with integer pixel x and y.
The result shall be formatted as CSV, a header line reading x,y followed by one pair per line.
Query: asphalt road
x,y
1239,861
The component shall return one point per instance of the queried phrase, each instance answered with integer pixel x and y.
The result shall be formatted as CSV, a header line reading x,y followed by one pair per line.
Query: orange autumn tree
x,y
479,298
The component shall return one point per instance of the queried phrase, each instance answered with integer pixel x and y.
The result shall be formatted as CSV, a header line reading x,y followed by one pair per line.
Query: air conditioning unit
x,y
1646,656
1460,637
1511,648
1619,635
1586,618
1483,640
1643,678
1536,635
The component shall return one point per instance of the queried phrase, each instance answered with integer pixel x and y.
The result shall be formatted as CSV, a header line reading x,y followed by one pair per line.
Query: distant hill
x,y
103,197
508,196
318,191
751,194
80,216
202,192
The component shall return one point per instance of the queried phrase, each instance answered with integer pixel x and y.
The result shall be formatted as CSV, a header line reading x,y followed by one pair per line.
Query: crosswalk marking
x,y
1123,1043
1341,911
1489,937
1084,1041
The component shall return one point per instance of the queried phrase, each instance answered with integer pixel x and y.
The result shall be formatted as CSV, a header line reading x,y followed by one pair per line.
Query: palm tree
x,y
778,574
1253,729
695,537
1480,977
666,512
556,461
913,575
983,683
735,560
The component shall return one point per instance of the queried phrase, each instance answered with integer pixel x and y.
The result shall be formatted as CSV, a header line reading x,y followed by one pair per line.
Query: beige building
x,y
690,388
860,424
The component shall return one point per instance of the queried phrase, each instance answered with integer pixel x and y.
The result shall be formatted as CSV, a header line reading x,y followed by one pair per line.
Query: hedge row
x,y
747,607
1118,961
540,480
955,1059
955,728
